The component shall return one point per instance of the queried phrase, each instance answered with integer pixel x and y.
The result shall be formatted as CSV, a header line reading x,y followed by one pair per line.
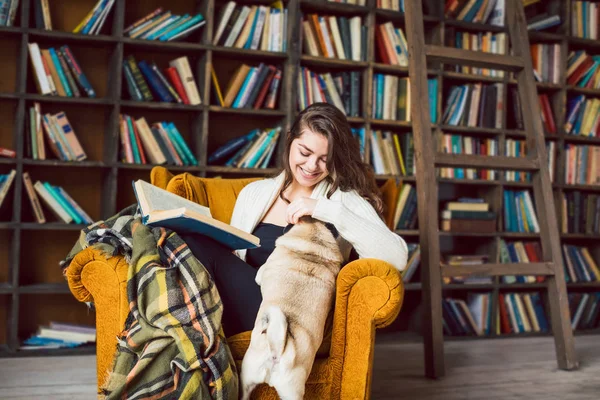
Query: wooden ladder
x,y
535,162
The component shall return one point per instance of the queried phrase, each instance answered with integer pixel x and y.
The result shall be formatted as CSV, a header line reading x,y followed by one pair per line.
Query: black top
x,y
268,234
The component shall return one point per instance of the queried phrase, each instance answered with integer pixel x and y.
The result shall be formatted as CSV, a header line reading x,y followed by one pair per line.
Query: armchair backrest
x,y
217,194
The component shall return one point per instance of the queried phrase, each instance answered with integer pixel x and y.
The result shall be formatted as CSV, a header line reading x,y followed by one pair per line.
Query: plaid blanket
x,y
172,345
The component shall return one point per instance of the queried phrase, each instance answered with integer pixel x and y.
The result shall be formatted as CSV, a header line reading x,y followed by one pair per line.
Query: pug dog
x,y
298,287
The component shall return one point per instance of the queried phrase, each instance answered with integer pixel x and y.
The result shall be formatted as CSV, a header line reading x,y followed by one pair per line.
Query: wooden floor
x,y
492,369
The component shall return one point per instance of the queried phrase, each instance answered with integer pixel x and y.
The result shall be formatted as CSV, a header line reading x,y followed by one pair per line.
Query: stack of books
x,y
519,212
8,12
583,69
164,26
179,88
585,19
253,27
520,252
392,47
341,89
334,37
60,335
456,260
468,215
487,42
579,213
60,203
583,116
250,87
60,136
585,310
6,181
580,265
94,20
521,313
253,150
475,105
57,72
159,144
467,318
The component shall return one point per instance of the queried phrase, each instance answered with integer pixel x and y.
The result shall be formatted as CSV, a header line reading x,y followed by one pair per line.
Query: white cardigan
x,y
355,219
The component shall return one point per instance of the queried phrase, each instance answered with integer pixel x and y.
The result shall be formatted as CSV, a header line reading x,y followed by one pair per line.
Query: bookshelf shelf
x,y
244,171
8,161
76,351
7,225
50,226
68,100
266,56
156,105
592,188
247,111
332,7
473,26
459,76
313,61
591,44
45,288
69,164
68,37
156,45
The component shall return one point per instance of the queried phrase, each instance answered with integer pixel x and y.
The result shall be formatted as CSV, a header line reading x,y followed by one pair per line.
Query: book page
x,y
158,199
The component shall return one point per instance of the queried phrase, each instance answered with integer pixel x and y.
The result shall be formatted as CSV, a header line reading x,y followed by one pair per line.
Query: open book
x,y
162,208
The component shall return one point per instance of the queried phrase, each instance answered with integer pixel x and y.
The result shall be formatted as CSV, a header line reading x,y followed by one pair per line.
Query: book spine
x,y
166,83
135,142
143,20
75,207
177,84
60,72
182,66
61,202
155,83
52,203
173,130
78,72
38,212
68,74
5,186
134,90
139,79
179,151
71,137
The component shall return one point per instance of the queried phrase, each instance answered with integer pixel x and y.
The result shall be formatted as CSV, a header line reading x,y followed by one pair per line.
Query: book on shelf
x,y
582,164
6,181
360,134
583,116
405,213
519,212
7,153
579,264
342,89
361,2
462,144
331,36
468,215
521,313
583,69
467,318
585,17
488,42
580,212
484,12
475,105
584,310
160,208
34,200
61,203
94,21
546,112
539,15
392,153
250,87
546,61
520,252
414,260
59,335
465,260
8,12
252,26
252,150
165,26
146,81
57,72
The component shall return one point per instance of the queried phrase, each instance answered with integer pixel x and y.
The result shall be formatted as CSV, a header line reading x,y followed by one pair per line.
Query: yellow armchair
x,y
369,295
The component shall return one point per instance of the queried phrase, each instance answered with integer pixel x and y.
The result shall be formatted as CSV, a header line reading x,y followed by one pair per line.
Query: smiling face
x,y
308,158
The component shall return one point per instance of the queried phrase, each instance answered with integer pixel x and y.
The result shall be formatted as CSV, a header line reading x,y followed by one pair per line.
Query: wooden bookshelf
x,y
32,289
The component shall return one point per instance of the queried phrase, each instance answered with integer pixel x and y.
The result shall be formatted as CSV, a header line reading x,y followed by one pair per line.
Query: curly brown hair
x,y
346,169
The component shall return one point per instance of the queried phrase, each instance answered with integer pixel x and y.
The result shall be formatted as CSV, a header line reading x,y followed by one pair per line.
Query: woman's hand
x,y
298,208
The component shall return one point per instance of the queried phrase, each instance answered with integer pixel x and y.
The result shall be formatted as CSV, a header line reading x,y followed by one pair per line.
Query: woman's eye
x,y
303,155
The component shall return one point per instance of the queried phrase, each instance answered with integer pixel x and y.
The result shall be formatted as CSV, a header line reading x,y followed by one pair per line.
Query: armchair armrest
x,y
369,295
92,277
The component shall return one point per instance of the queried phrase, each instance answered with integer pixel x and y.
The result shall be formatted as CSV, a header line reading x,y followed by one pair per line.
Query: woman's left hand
x,y
298,208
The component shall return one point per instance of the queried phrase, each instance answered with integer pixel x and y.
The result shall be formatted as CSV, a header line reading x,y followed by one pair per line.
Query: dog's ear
x,y
332,229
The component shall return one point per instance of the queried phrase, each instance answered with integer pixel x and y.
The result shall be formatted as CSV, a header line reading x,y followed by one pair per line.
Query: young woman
x,y
323,177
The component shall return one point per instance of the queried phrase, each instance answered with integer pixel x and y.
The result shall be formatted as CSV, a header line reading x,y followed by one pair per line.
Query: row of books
x,y
59,335
179,88
157,144
521,313
583,116
585,18
582,164
583,69
253,150
413,262
461,144
58,132
579,264
487,42
391,154
465,260
8,12
468,214
519,212
6,181
580,212
584,310
57,72
546,112
255,27
485,12
341,89
546,62
334,37
164,26
394,5
392,98
360,134
391,45
250,87
94,20
520,252
405,212
517,148
475,105
466,318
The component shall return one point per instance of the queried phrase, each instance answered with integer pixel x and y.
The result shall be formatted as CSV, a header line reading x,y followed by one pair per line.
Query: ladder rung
x,y
543,268
480,161
474,58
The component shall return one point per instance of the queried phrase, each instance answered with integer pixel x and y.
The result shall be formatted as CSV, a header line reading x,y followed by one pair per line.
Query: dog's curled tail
x,y
275,324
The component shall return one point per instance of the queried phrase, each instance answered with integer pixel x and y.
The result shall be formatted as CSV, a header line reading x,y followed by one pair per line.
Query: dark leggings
x,y
234,278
